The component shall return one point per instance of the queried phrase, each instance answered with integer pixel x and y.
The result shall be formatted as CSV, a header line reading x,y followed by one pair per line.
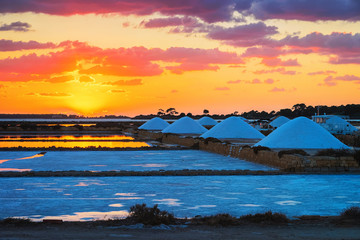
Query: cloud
x,y
255,81
276,89
60,79
9,45
86,79
269,81
307,10
274,62
174,91
233,81
222,89
277,70
55,94
2,86
117,91
243,35
134,61
208,10
332,81
16,26
322,73
132,82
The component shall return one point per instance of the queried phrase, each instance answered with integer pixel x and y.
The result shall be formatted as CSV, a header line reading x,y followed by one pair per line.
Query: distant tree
x,y
236,113
160,112
206,111
171,111
189,115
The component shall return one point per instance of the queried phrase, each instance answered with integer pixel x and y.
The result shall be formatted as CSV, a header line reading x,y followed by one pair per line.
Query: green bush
x,y
267,217
150,215
293,151
352,212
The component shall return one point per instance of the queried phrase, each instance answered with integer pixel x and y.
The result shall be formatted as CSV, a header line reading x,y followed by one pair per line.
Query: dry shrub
x,y
222,219
16,221
150,215
334,153
260,148
267,217
351,212
293,151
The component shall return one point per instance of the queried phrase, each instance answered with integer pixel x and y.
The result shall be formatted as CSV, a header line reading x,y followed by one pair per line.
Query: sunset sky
x,y
129,57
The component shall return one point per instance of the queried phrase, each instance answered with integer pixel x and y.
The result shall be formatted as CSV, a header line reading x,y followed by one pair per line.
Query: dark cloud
x,y
9,45
208,10
16,26
308,10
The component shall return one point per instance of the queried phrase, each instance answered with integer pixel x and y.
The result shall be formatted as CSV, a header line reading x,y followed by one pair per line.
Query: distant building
x,y
335,124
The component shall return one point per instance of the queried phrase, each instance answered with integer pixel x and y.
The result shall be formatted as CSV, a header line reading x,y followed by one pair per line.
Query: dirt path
x,y
252,231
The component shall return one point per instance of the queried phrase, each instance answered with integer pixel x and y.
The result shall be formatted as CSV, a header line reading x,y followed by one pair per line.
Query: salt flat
x,y
121,160
81,198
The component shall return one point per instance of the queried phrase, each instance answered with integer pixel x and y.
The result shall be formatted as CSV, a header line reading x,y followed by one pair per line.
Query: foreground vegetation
x,y
153,216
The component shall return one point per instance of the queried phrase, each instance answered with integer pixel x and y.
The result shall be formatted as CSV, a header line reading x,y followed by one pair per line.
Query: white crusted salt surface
x,y
81,198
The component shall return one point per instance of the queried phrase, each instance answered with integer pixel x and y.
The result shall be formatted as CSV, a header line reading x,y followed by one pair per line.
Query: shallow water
x,y
122,160
79,198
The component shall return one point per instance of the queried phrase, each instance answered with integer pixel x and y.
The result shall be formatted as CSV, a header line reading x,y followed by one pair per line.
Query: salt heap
x,y
154,124
185,125
301,133
277,122
207,121
233,128
337,125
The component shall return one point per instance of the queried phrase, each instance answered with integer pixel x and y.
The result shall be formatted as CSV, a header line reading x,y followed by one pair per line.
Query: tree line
x,y
300,109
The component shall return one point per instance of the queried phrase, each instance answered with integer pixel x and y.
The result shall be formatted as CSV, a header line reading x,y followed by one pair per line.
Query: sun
x,y
87,105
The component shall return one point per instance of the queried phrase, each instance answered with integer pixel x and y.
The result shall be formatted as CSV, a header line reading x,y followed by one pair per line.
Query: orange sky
x,y
130,57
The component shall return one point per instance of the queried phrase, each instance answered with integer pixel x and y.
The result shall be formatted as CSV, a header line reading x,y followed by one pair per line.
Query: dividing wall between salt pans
x,y
286,163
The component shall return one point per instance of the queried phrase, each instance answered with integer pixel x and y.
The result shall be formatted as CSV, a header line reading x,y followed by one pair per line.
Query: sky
x,y
130,57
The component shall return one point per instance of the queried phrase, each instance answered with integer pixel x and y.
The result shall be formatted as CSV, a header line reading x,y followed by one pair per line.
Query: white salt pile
x,y
185,125
301,133
277,122
233,128
207,121
155,124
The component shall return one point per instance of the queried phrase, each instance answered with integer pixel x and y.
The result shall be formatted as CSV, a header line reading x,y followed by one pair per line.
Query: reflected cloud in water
x,y
168,201
86,216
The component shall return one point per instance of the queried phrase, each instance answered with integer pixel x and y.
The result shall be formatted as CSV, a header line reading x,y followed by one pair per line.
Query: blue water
x,y
123,160
81,198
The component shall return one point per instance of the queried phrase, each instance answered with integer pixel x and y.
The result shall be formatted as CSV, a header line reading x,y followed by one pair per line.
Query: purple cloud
x,y
222,89
233,81
16,26
208,10
9,45
332,81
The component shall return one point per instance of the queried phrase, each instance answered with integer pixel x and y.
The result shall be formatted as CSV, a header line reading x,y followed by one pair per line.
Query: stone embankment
x,y
291,162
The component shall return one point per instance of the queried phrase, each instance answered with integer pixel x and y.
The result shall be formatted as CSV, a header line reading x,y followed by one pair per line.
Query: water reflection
x,y
86,216
31,157
65,138
80,144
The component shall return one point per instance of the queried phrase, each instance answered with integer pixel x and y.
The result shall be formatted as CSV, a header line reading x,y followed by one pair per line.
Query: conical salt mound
x,y
154,124
207,121
338,125
233,128
279,121
301,133
185,125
